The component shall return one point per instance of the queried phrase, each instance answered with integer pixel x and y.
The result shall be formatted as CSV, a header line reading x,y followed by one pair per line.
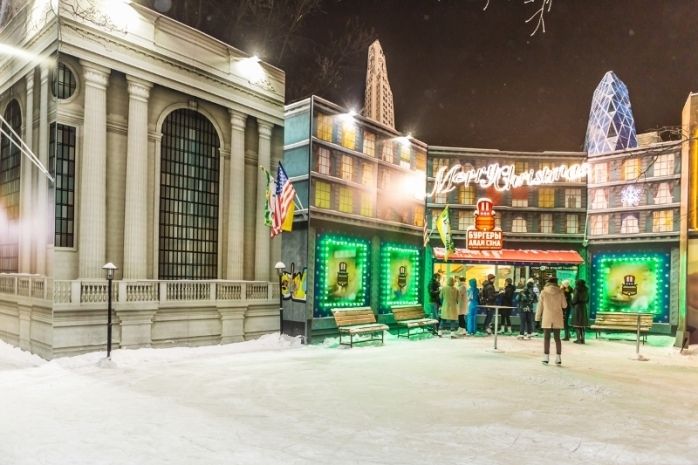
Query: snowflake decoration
x,y
630,196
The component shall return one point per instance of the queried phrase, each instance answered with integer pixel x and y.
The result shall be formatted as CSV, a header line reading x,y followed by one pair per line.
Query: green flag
x,y
443,225
268,193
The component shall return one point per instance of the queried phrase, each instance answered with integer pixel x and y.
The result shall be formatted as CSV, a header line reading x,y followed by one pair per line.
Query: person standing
x,y
580,319
549,313
435,295
473,302
567,290
489,297
449,308
508,300
462,306
526,302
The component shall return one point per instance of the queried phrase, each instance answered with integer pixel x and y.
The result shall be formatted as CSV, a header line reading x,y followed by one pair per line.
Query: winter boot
x,y
489,331
440,333
546,359
558,360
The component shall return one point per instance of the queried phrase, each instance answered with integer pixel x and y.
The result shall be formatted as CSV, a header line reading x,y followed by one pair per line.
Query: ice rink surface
x,y
428,401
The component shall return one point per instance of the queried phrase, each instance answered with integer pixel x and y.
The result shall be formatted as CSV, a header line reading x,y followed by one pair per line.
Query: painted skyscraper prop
x,y
611,124
378,103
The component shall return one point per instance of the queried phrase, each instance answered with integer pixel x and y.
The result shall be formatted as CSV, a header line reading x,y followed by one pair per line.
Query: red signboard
x,y
484,240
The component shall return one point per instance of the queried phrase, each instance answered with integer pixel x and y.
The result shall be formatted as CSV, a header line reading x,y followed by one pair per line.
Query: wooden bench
x,y
620,321
412,316
358,321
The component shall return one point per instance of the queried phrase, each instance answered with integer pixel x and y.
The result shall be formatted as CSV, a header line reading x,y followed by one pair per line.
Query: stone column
x,y
42,213
236,197
262,238
93,175
136,207
26,185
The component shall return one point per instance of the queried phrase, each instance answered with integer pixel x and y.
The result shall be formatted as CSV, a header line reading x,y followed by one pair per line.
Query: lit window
x,y
349,135
573,198
664,165
405,160
323,161
383,179
437,164
599,201
546,197
600,172
387,152
663,194
599,224
367,204
544,164
631,169
420,161
663,221
630,224
572,224
520,167
346,199
419,216
441,197
322,194
519,197
369,143
546,223
347,167
518,225
466,195
367,175
323,127
466,219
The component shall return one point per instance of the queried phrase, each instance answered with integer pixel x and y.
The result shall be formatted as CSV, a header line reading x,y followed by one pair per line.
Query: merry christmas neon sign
x,y
504,177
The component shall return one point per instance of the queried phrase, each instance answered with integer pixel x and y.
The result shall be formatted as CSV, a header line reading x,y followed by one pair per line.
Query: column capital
x,y
30,79
94,74
138,88
237,119
264,128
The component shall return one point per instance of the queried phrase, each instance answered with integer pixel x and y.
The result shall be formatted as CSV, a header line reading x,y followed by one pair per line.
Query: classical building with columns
x,y
153,133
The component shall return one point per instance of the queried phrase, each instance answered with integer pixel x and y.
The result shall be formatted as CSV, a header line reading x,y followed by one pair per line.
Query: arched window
x,y
189,187
64,83
10,166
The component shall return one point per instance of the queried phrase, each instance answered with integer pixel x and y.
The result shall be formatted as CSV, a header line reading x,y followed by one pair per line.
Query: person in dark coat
x,y
508,300
489,297
580,319
567,290
435,295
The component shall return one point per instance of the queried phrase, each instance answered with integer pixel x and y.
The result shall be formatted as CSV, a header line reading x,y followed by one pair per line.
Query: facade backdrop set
x,y
155,134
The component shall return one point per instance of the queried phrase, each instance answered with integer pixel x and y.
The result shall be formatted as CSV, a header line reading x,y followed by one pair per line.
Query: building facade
x,y
550,216
360,231
378,104
153,133
634,231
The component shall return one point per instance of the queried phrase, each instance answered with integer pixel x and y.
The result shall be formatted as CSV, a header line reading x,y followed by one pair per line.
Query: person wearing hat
x,y
580,320
549,314
489,297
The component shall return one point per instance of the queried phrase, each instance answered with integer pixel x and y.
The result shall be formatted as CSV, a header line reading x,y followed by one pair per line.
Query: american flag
x,y
282,202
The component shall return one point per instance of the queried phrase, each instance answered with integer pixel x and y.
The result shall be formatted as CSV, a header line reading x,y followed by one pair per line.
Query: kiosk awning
x,y
511,256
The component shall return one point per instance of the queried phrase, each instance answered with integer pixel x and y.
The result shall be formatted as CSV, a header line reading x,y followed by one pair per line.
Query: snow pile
x,y
13,357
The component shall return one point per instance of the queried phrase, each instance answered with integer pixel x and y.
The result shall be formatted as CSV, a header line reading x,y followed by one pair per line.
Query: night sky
x,y
467,77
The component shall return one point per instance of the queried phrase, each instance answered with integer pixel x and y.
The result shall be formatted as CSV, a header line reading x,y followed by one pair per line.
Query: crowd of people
x,y
552,310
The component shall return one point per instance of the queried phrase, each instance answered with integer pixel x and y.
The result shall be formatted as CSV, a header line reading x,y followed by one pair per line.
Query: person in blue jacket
x,y
473,302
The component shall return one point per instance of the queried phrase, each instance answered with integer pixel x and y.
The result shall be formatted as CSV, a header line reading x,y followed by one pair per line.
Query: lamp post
x,y
280,267
109,268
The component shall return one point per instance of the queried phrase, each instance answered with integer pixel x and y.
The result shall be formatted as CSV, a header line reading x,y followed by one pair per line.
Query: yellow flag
x,y
287,225
443,225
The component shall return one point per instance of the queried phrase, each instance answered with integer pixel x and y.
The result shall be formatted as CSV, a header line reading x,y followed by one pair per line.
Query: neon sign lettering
x,y
504,177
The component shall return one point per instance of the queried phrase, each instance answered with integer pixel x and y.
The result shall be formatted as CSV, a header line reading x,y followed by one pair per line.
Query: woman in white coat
x,y
550,306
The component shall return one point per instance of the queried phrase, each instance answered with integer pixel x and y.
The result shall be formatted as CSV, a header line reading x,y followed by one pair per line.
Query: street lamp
x,y
109,268
280,267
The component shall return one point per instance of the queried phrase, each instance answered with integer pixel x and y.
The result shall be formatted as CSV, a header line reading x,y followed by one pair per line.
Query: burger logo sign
x,y
484,235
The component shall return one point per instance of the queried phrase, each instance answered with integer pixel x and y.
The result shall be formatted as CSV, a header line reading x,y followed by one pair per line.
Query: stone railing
x,y
88,292
164,291
24,285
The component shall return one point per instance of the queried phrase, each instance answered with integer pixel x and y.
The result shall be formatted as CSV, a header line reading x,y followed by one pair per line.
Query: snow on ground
x,y
432,400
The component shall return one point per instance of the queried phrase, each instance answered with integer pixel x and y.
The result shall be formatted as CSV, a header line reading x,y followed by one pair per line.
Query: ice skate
x,y
546,359
520,337
440,333
558,360
527,337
